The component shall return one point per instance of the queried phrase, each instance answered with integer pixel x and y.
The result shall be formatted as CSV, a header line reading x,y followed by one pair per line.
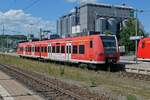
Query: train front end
x,y
111,50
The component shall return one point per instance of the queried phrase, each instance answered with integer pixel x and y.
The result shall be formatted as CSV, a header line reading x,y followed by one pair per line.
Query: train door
x,y
49,51
24,50
68,51
33,50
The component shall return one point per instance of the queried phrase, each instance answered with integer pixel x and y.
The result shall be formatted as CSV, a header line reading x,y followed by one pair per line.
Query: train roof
x,y
65,39
146,39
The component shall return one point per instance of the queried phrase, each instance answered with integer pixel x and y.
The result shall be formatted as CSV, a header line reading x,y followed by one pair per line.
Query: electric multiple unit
x,y
92,49
143,52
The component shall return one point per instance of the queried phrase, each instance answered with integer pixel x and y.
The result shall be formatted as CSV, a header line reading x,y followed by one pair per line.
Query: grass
x,y
131,97
86,78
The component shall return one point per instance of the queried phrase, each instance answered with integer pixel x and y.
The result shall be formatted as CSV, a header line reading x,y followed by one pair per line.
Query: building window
x,y
62,49
91,44
53,49
57,49
75,49
81,49
107,26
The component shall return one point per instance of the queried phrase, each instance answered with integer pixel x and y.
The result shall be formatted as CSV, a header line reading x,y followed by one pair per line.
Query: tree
x,y
107,32
128,31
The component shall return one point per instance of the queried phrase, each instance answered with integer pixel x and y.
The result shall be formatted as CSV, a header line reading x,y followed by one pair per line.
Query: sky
x,y
28,16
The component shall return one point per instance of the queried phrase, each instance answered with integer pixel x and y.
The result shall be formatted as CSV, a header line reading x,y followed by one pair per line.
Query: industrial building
x,y
94,17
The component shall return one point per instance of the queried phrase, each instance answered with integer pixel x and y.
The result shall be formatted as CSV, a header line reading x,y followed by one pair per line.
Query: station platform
x,y
10,89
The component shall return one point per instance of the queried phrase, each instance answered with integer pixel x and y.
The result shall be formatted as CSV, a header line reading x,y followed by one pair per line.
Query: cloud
x,y
18,22
81,1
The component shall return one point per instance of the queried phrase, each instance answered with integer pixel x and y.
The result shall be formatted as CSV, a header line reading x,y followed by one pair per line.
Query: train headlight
x,y
101,54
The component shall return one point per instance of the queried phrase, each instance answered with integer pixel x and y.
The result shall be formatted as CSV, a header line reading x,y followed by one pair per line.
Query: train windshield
x,y
109,41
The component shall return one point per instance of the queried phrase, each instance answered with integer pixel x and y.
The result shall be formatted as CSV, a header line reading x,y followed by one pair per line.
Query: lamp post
x,y
2,36
30,32
136,31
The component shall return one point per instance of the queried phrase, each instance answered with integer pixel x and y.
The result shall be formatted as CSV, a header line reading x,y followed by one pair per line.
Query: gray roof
x,y
108,5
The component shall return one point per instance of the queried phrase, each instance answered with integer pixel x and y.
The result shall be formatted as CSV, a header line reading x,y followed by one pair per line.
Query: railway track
x,y
48,88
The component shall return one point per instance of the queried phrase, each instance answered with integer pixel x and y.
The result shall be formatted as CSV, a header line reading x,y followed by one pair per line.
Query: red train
x,y
91,50
143,52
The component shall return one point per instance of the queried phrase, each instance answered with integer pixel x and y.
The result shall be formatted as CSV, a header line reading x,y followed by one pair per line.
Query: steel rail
x,y
40,82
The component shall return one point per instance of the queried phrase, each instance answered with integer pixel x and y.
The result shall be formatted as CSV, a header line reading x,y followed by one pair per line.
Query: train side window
x,y
19,48
75,49
62,49
91,44
32,49
35,49
49,49
143,45
81,49
29,49
69,49
26,49
53,49
42,49
38,49
57,49
45,49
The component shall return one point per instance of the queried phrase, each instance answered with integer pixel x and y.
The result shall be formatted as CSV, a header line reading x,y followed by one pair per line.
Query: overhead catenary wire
x,y
31,4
